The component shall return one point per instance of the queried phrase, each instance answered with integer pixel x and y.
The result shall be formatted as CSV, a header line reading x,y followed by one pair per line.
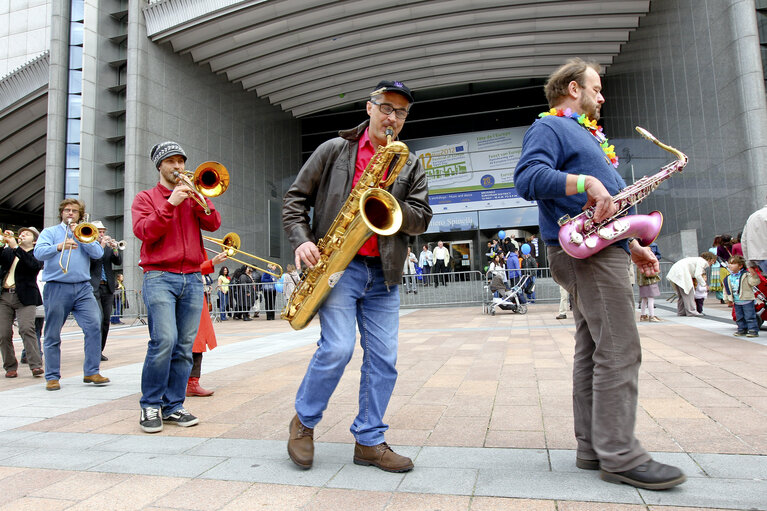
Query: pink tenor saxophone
x,y
581,237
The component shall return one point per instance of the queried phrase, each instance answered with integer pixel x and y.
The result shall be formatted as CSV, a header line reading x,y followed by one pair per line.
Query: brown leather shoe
x,y
37,371
301,444
96,379
11,374
52,385
382,457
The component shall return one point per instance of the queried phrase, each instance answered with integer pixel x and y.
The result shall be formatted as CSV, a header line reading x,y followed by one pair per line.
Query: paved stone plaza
x,y
482,404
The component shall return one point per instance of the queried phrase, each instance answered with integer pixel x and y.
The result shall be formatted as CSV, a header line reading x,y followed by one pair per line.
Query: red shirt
x,y
365,152
171,234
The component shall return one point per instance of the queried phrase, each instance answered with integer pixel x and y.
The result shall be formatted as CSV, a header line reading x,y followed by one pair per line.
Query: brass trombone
x,y
210,179
231,244
84,233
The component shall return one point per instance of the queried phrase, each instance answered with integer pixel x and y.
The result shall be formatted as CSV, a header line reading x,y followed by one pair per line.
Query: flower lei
x,y
591,126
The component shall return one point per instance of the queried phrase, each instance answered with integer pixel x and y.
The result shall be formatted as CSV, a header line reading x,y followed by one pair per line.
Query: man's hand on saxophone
x,y
597,194
308,253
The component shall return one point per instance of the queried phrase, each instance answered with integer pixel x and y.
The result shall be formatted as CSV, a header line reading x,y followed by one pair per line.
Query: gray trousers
x,y
10,306
685,305
607,356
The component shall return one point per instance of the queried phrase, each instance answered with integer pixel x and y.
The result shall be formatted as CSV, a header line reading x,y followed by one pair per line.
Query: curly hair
x,y
67,202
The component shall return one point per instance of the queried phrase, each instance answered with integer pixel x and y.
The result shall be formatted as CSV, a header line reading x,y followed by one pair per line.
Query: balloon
x,y
278,284
525,249
501,235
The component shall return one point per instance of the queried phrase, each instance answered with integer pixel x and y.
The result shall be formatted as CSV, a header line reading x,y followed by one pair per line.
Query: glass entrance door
x,y
461,254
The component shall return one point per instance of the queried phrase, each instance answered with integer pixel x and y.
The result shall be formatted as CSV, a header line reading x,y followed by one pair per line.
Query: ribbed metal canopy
x,y
23,129
312,55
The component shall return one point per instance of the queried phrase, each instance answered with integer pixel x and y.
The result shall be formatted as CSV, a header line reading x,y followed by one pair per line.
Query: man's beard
x,y
590,108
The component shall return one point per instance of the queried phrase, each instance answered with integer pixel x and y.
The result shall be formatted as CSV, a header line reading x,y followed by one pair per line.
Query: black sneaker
x,y
752,333
150,420
182,418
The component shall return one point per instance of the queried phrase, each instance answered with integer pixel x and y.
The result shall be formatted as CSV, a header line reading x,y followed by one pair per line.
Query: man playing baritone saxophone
x,y
564,168
367,294
168,222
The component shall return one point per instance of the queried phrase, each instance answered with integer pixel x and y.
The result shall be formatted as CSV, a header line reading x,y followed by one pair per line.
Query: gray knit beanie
x,y
165,150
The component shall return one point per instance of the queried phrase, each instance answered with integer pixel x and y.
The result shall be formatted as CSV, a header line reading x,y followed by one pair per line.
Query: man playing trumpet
x,y
19,297
103,280
168,223
68,289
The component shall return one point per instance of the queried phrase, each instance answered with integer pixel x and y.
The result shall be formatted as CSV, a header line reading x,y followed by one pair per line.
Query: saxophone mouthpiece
x,y
646,134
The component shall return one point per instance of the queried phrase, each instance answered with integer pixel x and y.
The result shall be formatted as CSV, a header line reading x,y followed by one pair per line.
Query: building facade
x,y
257,85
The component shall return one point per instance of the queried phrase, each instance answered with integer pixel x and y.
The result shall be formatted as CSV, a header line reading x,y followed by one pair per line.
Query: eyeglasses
x,y
387,109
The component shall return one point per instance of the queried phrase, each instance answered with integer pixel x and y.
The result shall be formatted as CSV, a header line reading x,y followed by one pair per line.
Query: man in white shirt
x,y
441,259
426,261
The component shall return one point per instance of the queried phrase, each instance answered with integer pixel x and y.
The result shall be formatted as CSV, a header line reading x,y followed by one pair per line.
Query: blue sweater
x,y
552,148
79,259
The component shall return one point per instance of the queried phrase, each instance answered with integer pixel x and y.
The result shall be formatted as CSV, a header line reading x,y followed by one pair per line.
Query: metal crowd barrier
x,y
246,299
128,308
416,291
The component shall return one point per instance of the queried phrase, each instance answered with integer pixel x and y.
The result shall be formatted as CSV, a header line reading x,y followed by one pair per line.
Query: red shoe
x,y
193,389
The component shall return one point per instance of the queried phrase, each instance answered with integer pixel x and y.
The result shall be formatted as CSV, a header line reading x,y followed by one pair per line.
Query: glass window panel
x,y
77,11
74,111
73,156
75,33
72,185
75,57
73,131
75,81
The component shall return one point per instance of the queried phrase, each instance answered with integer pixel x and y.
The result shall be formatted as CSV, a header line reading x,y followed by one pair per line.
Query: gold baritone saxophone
x,y
368,209
581,237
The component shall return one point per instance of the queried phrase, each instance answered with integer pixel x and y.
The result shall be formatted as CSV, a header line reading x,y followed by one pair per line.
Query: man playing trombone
x,y
103,280
168,224
68,289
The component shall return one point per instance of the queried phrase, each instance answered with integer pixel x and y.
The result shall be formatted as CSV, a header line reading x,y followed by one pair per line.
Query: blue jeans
x,y
118,310
60,299
745,317
174,303
359,298
222,303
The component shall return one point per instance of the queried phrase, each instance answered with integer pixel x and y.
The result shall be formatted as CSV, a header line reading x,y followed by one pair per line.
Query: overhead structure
x,y
308,56
23,130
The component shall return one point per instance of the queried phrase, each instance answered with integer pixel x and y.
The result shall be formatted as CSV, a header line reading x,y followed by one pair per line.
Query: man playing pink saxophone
x,y
566,165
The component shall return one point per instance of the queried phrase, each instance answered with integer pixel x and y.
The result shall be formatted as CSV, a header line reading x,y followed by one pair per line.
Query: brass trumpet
x,y
210,179
231,244
84,233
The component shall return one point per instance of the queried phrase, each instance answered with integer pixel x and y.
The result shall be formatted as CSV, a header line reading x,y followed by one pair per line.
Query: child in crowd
x,y
739,292
648,290
701,292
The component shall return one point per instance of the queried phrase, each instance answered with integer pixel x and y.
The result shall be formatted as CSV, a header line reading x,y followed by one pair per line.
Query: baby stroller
x,y
509,300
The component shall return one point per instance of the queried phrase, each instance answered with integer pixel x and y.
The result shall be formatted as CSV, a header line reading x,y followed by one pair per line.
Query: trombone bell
x,y
86,233
211,179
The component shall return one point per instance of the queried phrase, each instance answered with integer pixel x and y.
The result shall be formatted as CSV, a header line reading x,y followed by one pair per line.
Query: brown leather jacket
x,y
325,182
